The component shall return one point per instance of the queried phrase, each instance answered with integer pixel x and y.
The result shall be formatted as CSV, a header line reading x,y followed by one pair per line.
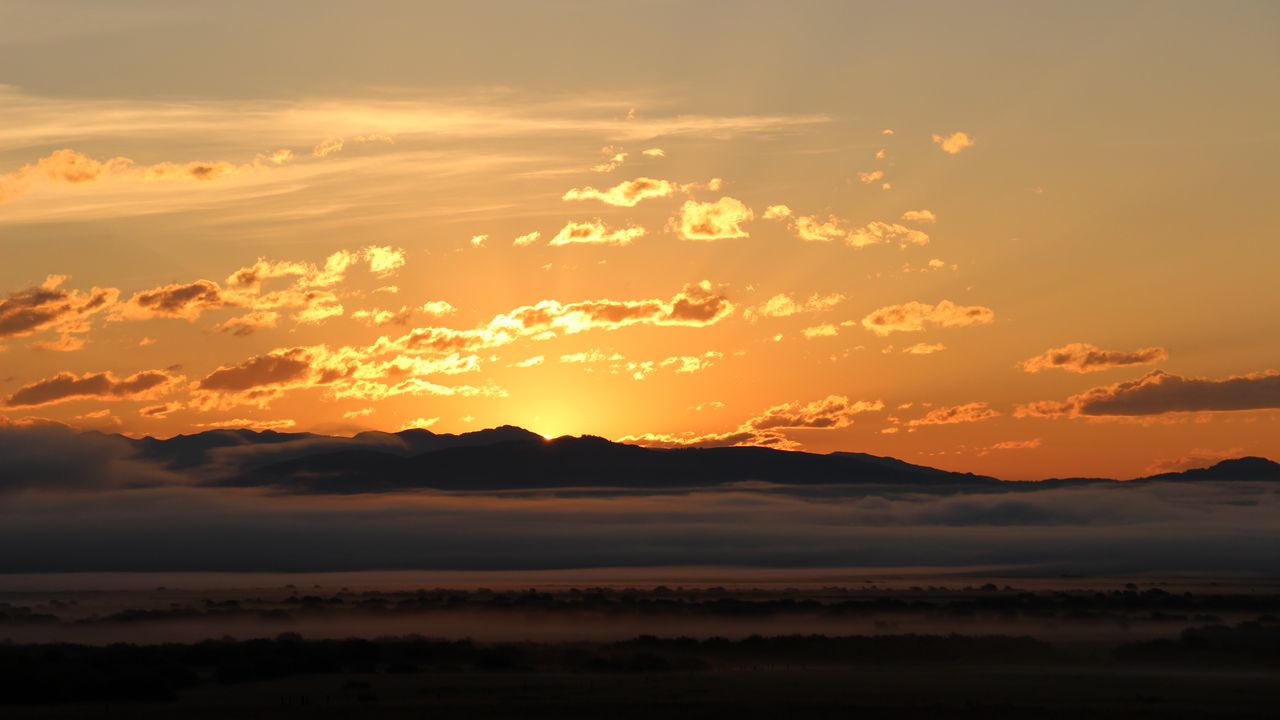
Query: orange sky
x,y
1018,241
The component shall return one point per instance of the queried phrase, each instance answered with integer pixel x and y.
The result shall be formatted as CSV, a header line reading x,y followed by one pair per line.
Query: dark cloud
x,y
67,386
56,458
1158,392
33,310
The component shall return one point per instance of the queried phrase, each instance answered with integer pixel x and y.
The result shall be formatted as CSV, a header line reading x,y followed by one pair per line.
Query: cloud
x,y
237,423
420,423
527,239
1160,393
654,152
866,178
915,316
924,348
769,427
719,220
967,413
327,147
179,300
1086,358
528,362
49,307
953,143
438,308
817,331
595,232
922,216
810,229
378,318
876,232
777,212
782,305
614,157
617,364
53,458
60,166
625,194
249,323
478,240
1017,444
67,386
159,411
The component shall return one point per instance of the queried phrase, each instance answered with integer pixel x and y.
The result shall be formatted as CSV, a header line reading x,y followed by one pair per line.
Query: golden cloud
x,y
876,232
625,194
781,305
50,307
953,143
1085,358
719,220
595,232
769,427
967,413
914,316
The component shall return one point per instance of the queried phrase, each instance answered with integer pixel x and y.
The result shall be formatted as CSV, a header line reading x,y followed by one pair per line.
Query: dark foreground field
x,y
986,650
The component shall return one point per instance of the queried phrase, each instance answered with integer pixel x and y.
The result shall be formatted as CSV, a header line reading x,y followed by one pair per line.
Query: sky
x,y
1018,239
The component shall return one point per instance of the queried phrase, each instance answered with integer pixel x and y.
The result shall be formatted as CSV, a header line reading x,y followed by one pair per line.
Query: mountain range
x,y
509,458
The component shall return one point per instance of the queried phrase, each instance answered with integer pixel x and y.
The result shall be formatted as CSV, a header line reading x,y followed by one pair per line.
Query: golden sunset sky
x,y
1017,239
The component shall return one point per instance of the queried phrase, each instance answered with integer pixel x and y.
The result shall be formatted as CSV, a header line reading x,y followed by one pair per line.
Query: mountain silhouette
x,y
509,458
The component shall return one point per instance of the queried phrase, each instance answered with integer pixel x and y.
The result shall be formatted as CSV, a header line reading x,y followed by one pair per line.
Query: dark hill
x,y
586,462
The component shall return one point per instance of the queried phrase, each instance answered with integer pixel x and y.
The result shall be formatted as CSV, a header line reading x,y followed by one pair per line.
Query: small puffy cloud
x,y
782,305
953,143
919,216
1086,358
810,229
438,308
967,413
528,362
478,240
924,348
420,423
654,152
1160,393
719,220
915,316
383,260
527,239
595,232
625,194
887,131
866,178
777,212
66,386
249,323
876,232
49,307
